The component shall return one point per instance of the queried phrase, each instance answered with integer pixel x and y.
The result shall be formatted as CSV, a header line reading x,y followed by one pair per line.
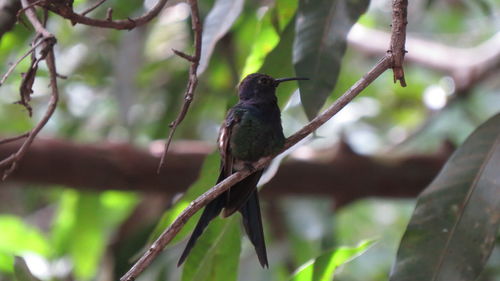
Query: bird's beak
x,y
279,80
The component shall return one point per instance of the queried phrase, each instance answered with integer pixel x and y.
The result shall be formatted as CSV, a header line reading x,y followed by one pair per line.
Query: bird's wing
x,y
233,118
213,209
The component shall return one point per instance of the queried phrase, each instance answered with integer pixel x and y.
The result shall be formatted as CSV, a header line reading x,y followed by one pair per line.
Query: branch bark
x,y
121,166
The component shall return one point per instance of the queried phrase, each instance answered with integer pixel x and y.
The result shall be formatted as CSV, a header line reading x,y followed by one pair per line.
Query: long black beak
x,y
279,80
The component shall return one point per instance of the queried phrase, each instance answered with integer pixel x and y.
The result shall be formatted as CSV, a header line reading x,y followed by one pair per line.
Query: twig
x,y
398,38
7,140
93,7
67,12
48,54
14,65
193,78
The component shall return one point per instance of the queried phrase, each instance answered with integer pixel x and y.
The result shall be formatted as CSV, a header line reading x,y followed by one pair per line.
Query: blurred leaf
x,y
454,225
265,40
216,254
17,237
88,240
22,272
208,177
217,23
323,267
320,42
83,224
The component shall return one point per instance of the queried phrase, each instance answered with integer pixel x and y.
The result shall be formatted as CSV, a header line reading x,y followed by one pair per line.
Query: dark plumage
x,y
252,129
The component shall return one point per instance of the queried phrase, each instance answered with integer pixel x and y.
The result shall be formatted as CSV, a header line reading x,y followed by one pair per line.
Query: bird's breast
x,y
255,137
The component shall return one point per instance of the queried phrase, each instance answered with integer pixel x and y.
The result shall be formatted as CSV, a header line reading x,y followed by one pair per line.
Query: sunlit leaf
x,y
17,237
216,24
453,228
320,42
22,272
216,254
265,41
323,267
83,224
88,239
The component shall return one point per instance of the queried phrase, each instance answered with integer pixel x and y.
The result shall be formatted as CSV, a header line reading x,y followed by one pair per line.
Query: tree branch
x,y
193,78
398,39
66,11
112,166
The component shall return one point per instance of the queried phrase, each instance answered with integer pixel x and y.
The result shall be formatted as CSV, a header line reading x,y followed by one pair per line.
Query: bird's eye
x,y
264,81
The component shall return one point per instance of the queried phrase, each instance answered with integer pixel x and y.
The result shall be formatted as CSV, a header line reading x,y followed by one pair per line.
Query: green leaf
x,y
22,272
207,179
216,254
17,237
323,267
217,23
88,239
320,42
265,40
453,228
83,223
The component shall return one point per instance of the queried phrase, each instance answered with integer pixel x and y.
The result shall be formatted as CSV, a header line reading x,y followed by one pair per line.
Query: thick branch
x,y
121,166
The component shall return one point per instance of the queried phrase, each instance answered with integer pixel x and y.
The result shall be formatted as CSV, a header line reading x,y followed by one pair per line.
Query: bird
x,y
252,129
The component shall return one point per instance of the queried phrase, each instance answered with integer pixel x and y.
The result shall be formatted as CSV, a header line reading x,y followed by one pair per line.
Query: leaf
x,y
321,29
21,270
215,255
217,23
17,237
323,267
452,231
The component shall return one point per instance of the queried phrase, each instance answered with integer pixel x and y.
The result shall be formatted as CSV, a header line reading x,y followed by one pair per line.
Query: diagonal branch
x,y
193,78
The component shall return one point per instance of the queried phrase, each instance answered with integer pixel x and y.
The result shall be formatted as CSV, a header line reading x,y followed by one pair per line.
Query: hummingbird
x,y
252,129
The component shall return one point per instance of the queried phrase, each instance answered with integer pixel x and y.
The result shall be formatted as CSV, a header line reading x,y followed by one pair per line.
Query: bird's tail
x,y
252,221
212,210
241,197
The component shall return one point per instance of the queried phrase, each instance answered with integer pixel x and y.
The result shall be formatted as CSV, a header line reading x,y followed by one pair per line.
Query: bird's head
x,y
261,87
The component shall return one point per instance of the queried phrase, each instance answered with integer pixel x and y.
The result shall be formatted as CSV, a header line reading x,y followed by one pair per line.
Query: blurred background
x,y
123,88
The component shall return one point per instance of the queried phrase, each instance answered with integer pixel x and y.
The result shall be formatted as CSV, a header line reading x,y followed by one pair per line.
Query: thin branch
x,y
93,7
14,65
398,38
7,140
193,78
47,53
67,12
